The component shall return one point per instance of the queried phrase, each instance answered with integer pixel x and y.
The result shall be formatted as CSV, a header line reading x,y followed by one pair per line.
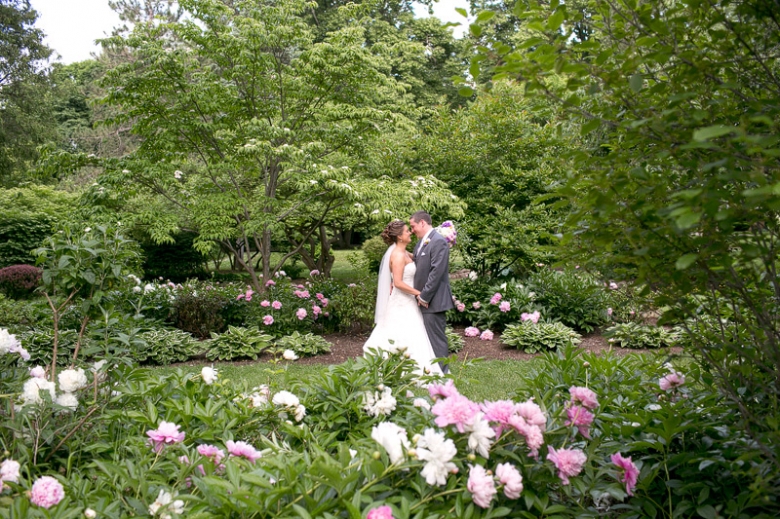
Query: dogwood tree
x,y
245,123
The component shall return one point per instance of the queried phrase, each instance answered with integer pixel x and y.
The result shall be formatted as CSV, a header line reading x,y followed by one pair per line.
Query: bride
x,y
399,322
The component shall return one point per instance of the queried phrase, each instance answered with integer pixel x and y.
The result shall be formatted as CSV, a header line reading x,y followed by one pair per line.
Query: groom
x,y
432,279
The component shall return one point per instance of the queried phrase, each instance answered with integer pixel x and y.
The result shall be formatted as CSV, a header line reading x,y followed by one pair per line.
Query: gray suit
x,y
432,279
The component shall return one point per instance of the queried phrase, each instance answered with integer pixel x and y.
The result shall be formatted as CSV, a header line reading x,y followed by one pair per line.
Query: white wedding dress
x,y
402,323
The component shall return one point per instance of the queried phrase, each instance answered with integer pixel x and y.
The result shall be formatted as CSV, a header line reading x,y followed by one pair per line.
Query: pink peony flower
x,y
265,303
532,414
609,312
316,310
509,476
268,320
9,471
240,297
456,410
580,418
301,314
38,372
630,472
672,381
46,492
569,462
498,412
461,307
211,452
382,512
532,434
243,450
314,272
476,305
495,299
270,283
446,390
166,434
471,331
533,317
487,335
276,305
584,396
481,486
504,306
319,296
613,285
324,302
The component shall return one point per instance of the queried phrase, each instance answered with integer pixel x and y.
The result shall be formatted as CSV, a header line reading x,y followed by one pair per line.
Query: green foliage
x,y
237,343
306,345
177,261
686,193
207,124
577,299
200,312
455,342
373,251
165,346
20,234
533,337
498,156
351,309
628,302
23,315
19,281
39,343
638,336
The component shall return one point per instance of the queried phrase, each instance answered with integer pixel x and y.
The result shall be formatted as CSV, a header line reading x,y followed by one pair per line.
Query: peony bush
x,y
586,437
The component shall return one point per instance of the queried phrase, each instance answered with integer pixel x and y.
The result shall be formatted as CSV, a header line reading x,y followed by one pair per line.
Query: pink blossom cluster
x,y
569,462
482,484
242,450
46,492
476,305
496,298
504,306
630,472
314,272
270,283
671,381
459,306
487,335
167,433
526,419
246,295
301,314
322,299
303,294
533,317
577,410
471,331
380,512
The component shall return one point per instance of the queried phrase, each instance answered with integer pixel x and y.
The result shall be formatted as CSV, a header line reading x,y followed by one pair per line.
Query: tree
x,y
245,121
24,117
683,179
498,155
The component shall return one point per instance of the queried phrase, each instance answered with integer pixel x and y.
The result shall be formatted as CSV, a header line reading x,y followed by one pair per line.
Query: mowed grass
x,y
489,380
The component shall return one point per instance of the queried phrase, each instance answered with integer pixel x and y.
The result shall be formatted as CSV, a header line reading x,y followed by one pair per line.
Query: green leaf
x,y
475,30
485,16
556,20
636,82
462,12
711,132
589,126
685,261
465,92
706,511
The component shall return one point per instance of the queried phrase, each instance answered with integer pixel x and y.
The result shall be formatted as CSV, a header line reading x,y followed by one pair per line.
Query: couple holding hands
x,y
413,294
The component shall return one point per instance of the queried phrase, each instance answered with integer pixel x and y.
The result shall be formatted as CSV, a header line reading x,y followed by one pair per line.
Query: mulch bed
x,y
350,346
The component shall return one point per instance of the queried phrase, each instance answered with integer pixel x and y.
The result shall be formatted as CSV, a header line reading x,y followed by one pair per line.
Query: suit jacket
x,y
432,278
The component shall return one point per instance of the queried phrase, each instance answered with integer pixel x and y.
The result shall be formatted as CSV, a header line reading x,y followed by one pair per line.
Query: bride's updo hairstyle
x,y
393,230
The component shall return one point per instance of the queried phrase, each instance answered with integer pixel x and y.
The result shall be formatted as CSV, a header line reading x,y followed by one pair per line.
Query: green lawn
x,y
492,380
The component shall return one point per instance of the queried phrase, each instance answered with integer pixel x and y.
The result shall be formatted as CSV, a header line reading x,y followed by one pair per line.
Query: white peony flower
x,y
300,412
31,390
38,372
9,471
148,288
481,434
289,355
8,342
473,276
137,290
209,375
421,402
68,400
286,399
98,366
177,174
436,451
393,438
260,396
163,500
376,404
71,380
90,514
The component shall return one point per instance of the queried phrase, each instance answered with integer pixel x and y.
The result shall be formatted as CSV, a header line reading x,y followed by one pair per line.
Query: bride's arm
x,y
397,268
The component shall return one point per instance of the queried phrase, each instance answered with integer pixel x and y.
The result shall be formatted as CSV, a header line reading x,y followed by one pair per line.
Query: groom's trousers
x,y
435,324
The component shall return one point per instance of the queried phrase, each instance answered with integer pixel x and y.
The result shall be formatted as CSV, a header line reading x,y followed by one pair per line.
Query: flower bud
x,y
471,457
89,513
586,364
376,455
412,453
380,387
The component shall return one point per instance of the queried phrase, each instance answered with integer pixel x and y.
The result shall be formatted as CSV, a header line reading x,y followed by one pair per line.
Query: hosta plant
x,y
305,345
237,343
165,346
639,336
533,337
